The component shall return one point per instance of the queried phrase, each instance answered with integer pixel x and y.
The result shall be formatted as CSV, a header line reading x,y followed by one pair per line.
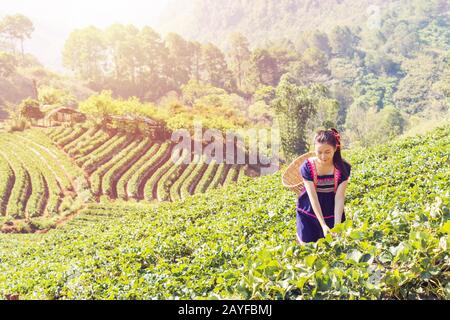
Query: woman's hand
x,y
325,230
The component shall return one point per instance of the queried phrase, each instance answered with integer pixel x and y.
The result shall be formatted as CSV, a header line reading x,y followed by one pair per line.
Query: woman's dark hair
x,y
333,138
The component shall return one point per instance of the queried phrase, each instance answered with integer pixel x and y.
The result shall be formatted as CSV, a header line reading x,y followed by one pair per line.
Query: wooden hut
x,y
138,125
63,115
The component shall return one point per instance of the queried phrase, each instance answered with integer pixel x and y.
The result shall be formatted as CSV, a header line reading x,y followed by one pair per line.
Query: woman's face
x,y
325,153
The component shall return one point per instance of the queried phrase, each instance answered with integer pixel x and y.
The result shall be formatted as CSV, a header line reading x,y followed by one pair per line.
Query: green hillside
x,y
38,183
48,174
382,67
239,241
266,20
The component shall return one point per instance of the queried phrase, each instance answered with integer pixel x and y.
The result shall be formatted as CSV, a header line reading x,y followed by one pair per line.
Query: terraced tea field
x,y
238,242
38,183
127,167
48,174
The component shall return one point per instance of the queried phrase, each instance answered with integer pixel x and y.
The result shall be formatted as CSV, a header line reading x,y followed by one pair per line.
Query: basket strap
x,y
312,166
335,179
337,176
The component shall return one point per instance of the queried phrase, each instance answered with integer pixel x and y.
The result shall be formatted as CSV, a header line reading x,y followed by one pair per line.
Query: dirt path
x,y
43,208
197,179
126,167
159,162
9,187
55,158
61,222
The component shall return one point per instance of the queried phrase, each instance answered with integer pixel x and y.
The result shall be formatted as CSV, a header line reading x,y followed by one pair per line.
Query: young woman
x,y
321,204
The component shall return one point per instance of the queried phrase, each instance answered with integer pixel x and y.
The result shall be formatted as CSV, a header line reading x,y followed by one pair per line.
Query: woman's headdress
x,y
338,138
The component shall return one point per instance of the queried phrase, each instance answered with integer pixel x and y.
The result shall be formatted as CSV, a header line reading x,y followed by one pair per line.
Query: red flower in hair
x,y
338,138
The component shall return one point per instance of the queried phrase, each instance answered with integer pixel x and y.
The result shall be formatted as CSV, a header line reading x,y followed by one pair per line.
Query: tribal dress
x,y
308,226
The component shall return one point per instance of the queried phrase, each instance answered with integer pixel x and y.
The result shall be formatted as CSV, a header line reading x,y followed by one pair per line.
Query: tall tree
x,y
151,77
403,40
84,53
263,69
16,27
293,106
178,62
115,37
313,39
312,67
284,54
216,68
343,41
195,48
132,53
320,41
239,54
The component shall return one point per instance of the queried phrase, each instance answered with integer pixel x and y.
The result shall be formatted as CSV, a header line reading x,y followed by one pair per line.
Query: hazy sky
x,y
54,20
85,12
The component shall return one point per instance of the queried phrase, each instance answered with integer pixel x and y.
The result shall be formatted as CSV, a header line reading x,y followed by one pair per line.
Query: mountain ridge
x,y
269,20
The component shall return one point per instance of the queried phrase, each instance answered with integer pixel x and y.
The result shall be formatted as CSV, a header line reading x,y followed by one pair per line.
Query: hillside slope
x,y
261,20
239,242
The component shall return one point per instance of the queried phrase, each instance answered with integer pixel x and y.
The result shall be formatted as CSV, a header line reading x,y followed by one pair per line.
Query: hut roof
x,y
128,117
62,110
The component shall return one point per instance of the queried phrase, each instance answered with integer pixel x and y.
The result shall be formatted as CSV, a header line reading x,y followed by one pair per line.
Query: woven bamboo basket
x,y
291,177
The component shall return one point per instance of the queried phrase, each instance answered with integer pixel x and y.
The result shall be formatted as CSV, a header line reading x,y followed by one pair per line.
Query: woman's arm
x,y
312,193
339,200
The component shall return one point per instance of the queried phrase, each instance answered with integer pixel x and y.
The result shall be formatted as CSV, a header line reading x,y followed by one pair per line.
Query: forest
x,y
375,80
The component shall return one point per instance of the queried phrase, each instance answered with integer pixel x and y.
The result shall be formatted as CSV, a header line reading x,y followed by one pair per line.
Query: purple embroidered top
x,y
326,188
